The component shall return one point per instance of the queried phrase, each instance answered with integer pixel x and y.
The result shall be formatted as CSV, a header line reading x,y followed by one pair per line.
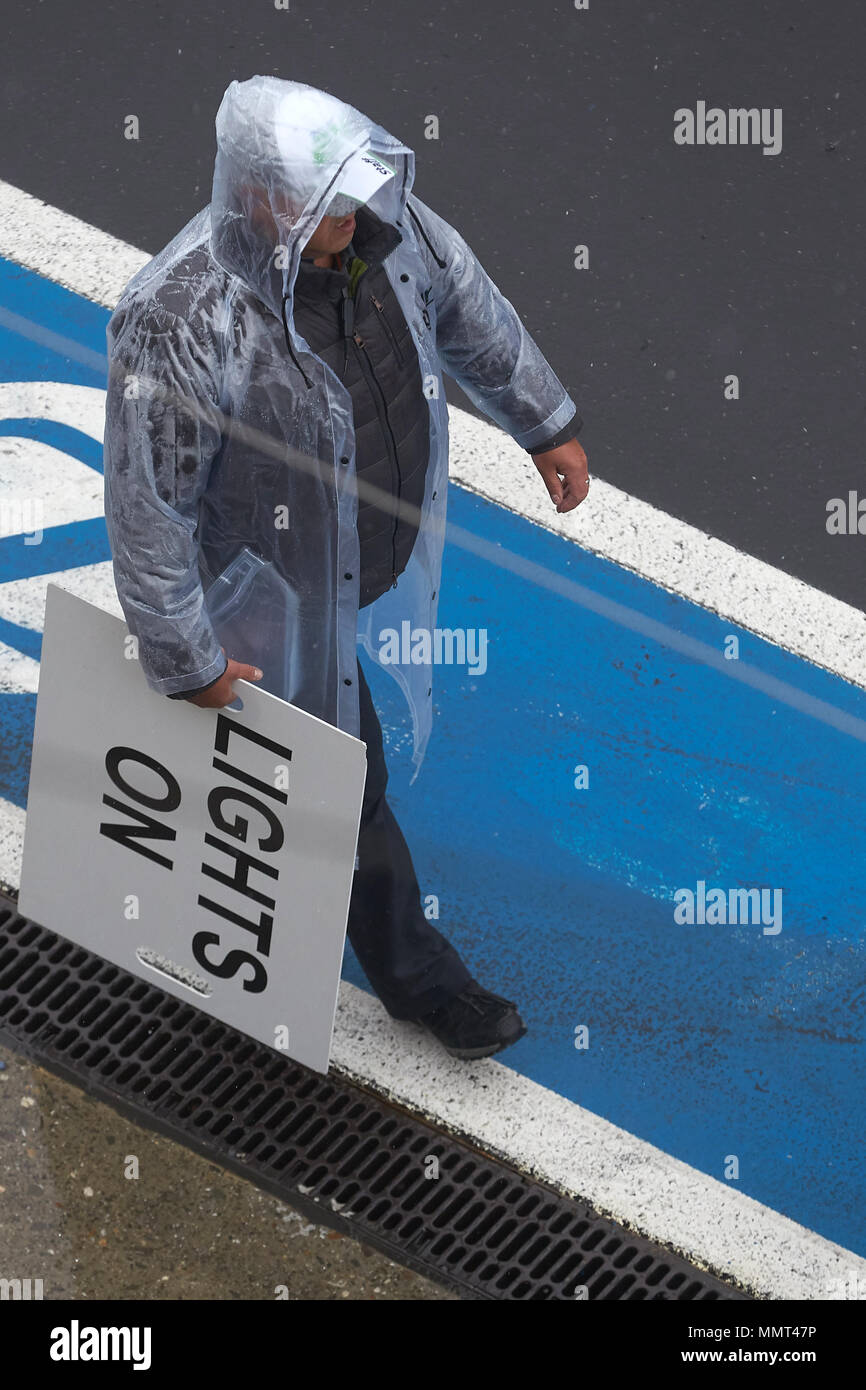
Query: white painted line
x,y
713,1224
80,407
22,601
19,675
64,249
65,489
11,843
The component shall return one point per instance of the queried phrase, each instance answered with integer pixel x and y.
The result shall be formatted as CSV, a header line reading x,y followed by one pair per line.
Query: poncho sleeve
x,y
162,434
481,340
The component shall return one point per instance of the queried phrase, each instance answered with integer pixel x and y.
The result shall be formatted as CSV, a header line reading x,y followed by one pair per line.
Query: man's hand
x,y
565,473
221,692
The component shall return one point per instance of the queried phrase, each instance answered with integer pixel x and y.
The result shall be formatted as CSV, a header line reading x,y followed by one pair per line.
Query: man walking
x,y
276,422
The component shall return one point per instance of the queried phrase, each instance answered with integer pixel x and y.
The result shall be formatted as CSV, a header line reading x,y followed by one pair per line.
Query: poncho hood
x,y
285,151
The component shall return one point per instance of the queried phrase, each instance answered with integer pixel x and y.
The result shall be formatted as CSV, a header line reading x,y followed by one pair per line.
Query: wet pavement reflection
x,y
96,1207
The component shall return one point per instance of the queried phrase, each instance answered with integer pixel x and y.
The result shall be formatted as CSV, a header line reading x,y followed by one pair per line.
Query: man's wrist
x,y
188,694
562,436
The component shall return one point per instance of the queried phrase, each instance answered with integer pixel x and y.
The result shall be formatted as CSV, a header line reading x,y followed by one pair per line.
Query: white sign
x,y
209,851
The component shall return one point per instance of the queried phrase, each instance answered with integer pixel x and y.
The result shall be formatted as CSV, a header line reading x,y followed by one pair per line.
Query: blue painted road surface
x,y
734,1048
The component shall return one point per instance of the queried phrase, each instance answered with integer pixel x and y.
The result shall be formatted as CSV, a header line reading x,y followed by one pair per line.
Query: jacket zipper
x,y
392,337
370,373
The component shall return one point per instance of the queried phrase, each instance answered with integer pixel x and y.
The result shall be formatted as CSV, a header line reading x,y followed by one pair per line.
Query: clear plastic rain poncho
x,y
230,491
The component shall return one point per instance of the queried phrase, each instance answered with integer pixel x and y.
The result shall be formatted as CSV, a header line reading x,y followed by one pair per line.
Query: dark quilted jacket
x,y
352,320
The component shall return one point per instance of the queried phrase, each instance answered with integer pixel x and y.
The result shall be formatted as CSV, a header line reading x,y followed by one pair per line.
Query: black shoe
x,y
475,1023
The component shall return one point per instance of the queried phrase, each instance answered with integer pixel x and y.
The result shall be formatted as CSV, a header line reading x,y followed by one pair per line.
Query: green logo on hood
x,y
326,142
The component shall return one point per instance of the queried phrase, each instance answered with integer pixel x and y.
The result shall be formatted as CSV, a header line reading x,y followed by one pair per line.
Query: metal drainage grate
x,y
343,1156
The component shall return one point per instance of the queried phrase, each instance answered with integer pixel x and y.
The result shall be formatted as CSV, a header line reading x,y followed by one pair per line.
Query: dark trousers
x,y
410,965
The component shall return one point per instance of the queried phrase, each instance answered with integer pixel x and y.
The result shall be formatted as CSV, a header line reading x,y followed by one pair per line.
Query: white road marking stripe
x,y
22,601
11,842
65,489
714,1225
19,675
80,407
65,249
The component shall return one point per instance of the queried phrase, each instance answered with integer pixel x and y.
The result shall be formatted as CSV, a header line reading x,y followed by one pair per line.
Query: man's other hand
x,y
565,473
221,692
